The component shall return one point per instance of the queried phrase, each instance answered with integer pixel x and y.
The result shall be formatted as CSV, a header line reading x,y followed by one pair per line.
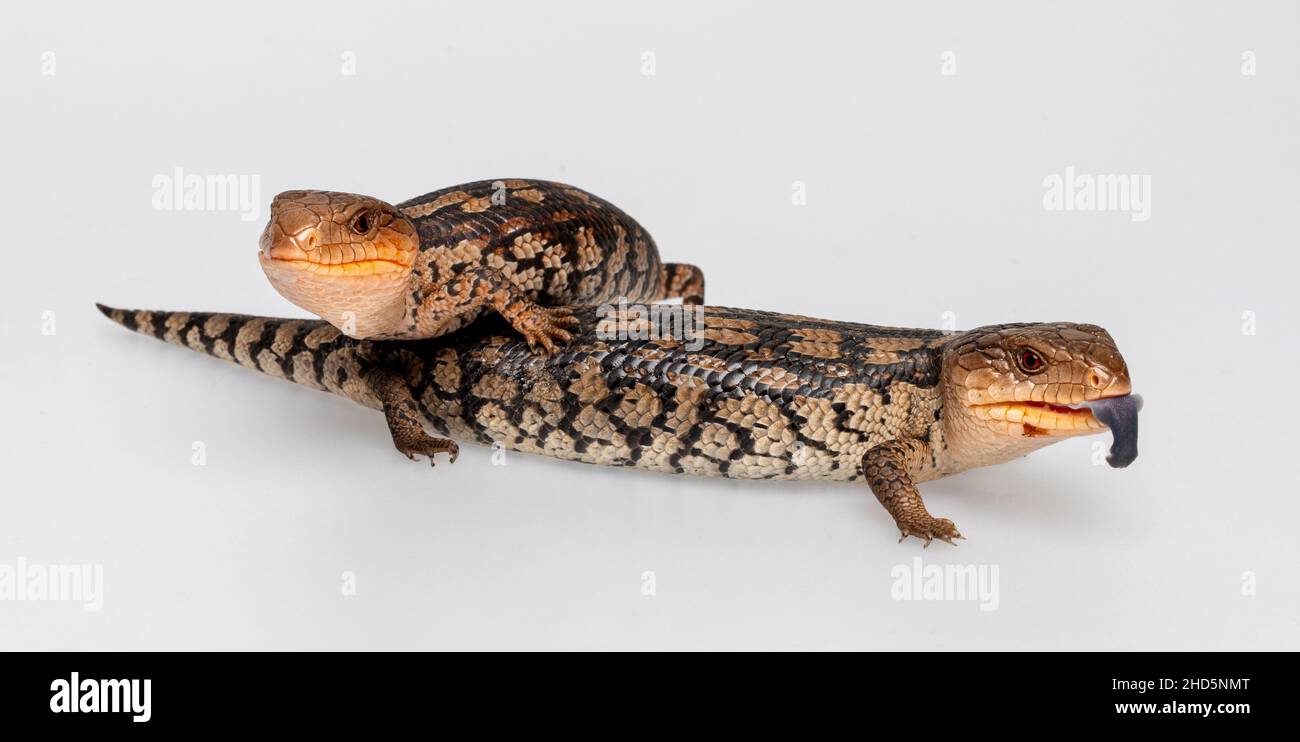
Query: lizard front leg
x,y
404,417
888,469
540,325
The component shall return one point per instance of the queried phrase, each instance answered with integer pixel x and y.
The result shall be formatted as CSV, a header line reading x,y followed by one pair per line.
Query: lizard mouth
x,y
363,267
1044,418
1117,413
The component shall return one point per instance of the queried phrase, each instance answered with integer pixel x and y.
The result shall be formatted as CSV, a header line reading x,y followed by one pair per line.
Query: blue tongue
x,y
1120,414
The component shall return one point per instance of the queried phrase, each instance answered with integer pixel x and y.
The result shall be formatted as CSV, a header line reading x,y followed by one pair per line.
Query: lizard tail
x,y
681,280
302,351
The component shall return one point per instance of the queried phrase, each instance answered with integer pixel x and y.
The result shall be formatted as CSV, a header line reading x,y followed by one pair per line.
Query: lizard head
x,y
344,257
1014,388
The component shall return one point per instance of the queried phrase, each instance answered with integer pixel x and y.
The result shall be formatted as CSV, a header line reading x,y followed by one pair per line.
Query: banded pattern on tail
x,y
308,352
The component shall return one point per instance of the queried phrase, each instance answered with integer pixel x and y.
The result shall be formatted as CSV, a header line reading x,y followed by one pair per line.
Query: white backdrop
x,y
922,134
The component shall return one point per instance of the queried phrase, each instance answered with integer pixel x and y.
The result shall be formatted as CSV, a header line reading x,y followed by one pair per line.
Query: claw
x,y
940,529
547,328
431,448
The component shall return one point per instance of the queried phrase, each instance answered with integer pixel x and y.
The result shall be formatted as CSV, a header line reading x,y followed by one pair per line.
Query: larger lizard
x,y
743,394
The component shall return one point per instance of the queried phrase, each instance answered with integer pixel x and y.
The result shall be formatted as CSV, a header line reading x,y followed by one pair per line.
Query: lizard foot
x,y
929,528
427,445
546,326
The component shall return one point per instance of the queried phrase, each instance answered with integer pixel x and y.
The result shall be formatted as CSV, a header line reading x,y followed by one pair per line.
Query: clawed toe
x,y
546,328
940,528
431,447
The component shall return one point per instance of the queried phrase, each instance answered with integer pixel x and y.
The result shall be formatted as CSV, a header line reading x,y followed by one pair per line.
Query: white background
x,y
924,196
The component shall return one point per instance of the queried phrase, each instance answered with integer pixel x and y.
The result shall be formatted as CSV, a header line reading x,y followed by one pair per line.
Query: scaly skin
x,y
525,249
746,394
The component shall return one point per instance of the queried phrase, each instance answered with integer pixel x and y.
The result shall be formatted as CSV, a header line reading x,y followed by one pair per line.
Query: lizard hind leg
x,y
887,468
681,280
403,417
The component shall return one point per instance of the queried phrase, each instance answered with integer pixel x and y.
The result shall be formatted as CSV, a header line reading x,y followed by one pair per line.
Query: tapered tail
x,y
681,280
303,351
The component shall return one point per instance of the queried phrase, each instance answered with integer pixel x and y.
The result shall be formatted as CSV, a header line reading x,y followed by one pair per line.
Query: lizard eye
x,y
1029,361
362,222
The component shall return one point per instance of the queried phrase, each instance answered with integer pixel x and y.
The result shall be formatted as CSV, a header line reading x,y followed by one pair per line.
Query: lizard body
x,y
525,249
720,392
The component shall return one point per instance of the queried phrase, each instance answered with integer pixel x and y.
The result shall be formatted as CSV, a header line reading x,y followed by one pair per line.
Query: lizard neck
x,y
420,311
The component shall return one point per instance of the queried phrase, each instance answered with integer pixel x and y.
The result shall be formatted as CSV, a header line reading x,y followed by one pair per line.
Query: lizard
x,y
525,249
713,391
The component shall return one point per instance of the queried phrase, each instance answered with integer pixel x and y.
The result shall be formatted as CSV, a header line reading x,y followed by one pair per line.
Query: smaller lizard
x,y
425,267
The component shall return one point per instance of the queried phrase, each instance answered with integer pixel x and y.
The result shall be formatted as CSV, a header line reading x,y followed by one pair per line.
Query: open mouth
x,y
1044,418
1119,414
